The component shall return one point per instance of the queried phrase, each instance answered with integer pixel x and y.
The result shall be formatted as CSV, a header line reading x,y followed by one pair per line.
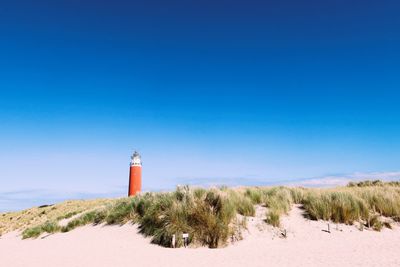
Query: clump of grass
x,y
298,194
339,207
383,200
210,219
34,232
245,207
205,215
157,220
279,201
50,227
255,195
144,203
273,218
243,204
122,212
92,217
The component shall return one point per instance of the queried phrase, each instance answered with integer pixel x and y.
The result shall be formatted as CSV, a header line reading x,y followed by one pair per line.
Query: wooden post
x,y
173,241
185,239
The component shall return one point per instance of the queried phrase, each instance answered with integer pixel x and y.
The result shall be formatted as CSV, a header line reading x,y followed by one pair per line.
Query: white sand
x,y
306,245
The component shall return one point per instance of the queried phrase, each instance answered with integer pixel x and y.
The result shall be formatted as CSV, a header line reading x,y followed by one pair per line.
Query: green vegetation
x,y
358,202
244,205
364,203
273,218
255,195
48,227
213,216
278,200
207,215
68,215
36,216
91,217
339,207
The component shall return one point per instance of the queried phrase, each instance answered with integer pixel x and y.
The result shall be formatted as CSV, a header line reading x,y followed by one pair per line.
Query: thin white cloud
x,y
339,180
21,199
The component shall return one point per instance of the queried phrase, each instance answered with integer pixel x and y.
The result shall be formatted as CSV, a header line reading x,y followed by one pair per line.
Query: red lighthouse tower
x,y
135,174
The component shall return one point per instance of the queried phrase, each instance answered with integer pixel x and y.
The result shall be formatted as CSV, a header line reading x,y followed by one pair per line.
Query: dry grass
x,y
278,200
36,216
361,202
365,202
207,215
210,216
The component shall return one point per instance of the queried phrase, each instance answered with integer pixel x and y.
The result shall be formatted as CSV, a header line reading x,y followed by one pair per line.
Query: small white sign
x,y
185,235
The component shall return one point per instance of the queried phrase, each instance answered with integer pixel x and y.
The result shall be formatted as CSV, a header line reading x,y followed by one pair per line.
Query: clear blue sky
x,y
236,92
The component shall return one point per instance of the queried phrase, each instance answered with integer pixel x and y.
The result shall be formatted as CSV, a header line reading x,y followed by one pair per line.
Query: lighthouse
x,y
135,174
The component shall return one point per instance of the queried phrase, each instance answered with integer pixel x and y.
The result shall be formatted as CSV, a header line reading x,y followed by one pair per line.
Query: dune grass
x,y
12,221
339,207
207,215
364,202
212,216
278,200
48,227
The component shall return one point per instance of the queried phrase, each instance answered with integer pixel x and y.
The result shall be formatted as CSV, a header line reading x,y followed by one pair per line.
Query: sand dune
x,y
306,244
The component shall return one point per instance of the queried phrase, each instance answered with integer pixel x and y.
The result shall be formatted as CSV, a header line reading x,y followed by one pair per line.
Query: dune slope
x,y
306,244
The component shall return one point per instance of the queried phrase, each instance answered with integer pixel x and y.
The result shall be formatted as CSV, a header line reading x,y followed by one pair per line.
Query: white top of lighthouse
x,y
136,159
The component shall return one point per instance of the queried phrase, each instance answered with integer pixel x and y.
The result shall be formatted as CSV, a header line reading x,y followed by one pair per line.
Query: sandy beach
x,y
199,133
307,244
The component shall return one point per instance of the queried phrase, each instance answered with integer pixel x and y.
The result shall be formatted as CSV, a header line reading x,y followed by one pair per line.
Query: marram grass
x,y
211,216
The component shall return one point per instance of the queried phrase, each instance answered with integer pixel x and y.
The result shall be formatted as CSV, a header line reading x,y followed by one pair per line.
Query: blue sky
x,y
225,92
